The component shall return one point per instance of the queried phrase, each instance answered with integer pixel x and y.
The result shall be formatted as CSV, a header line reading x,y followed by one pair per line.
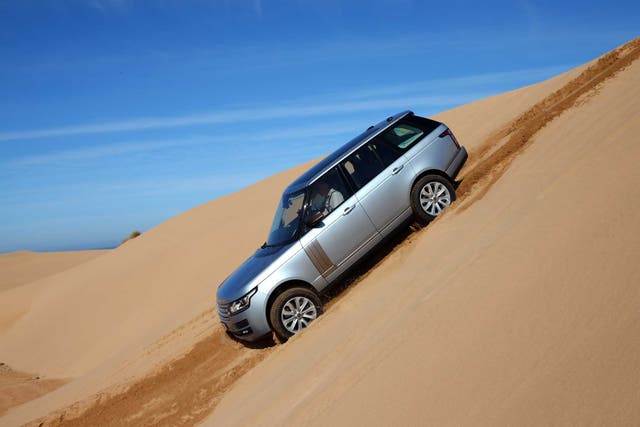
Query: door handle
x,y
348,210
396,169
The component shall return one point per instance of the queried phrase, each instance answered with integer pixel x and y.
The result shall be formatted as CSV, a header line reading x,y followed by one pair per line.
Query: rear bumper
x,y
457,163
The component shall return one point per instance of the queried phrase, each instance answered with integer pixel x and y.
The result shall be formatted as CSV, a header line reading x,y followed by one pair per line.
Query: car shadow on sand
x,y
356,273
363,267
260,344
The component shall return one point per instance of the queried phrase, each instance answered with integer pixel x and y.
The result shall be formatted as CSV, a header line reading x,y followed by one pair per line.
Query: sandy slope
x,y
122,313
115,308
19,387
18,268
523,309
446,308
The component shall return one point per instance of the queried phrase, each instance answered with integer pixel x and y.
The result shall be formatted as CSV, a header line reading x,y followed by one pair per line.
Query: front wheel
x,y
430,196
293,310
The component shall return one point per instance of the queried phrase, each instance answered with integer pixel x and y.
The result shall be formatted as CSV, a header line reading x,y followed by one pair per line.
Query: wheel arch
x,y
282,287
426,172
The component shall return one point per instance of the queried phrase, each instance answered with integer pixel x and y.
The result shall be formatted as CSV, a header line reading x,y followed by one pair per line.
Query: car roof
x,y
337,156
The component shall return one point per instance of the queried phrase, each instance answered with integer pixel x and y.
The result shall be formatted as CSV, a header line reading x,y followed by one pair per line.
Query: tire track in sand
x,y
520,131
185,390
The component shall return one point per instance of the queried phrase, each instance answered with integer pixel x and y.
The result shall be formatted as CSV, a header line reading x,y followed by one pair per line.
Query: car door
x,y
383,182
343,234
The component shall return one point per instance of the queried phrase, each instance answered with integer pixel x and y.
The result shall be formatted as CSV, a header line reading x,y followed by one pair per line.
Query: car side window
x,y
386,153
402,136
363,165
327,193
408,132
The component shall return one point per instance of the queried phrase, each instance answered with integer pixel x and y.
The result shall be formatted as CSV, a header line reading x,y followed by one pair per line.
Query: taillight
x,y
448,132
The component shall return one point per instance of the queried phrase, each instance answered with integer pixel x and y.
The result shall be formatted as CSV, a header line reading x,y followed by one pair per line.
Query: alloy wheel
x,y
434,198
297,313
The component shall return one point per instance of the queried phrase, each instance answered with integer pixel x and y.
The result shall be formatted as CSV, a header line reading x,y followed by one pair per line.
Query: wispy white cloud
x,y
87,153
385,98
104,191
169,185
481,80
330,128
229,57
241,115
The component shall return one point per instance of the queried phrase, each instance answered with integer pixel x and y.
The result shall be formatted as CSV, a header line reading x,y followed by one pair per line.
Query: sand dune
x,y
520,307
16,269
121,314
523,309
19,268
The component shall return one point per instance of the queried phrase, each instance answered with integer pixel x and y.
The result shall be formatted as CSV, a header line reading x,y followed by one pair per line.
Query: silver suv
x,y
333,215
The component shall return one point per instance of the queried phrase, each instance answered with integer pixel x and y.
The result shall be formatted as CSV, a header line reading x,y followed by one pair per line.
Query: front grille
x,y
223,310
241,324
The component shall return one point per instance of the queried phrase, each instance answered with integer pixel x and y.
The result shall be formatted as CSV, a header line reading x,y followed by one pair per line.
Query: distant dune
x,y
18,268
520,306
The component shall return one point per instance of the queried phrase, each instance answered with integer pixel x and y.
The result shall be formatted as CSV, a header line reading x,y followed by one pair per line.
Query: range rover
x,y
336,213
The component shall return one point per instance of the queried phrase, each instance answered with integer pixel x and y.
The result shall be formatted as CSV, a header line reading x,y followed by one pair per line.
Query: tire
x,y
430,196
284,319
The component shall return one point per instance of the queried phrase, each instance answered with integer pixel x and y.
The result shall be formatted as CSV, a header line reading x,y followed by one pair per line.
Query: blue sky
x,y
117,115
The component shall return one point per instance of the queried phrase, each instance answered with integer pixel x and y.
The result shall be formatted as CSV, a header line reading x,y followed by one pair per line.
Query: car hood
x,y
253,271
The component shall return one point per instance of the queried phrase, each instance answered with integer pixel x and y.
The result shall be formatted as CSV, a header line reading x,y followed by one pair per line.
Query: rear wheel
x,y
293,310
430,196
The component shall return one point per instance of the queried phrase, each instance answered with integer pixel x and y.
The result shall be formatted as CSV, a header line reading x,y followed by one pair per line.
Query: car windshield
x,y
287,219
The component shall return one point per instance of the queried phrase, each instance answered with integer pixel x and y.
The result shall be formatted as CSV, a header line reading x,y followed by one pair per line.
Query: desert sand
x,y
520,305
19,268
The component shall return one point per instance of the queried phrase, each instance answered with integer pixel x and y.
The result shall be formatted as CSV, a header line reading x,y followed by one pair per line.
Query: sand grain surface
x,y
522,309
19,268
519,306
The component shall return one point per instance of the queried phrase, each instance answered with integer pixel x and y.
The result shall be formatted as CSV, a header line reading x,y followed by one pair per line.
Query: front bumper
x,y
239,329
248,325
457,163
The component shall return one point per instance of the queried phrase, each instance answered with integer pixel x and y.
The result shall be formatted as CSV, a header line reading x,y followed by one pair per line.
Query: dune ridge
x,y
125,314
22,267
164,243
513,138
20,387
521,309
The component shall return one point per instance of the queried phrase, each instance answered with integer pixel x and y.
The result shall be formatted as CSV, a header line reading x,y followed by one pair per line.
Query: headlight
x,y
242,304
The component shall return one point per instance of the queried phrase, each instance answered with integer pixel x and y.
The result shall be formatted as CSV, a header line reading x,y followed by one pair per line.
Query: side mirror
x,y
313,219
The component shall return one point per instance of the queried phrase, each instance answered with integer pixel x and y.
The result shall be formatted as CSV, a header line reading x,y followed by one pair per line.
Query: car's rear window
x,y
408,131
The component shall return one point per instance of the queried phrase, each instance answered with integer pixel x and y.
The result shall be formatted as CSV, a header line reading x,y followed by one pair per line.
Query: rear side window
x,y
402,135
426,125
387,153
406,133
363,165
